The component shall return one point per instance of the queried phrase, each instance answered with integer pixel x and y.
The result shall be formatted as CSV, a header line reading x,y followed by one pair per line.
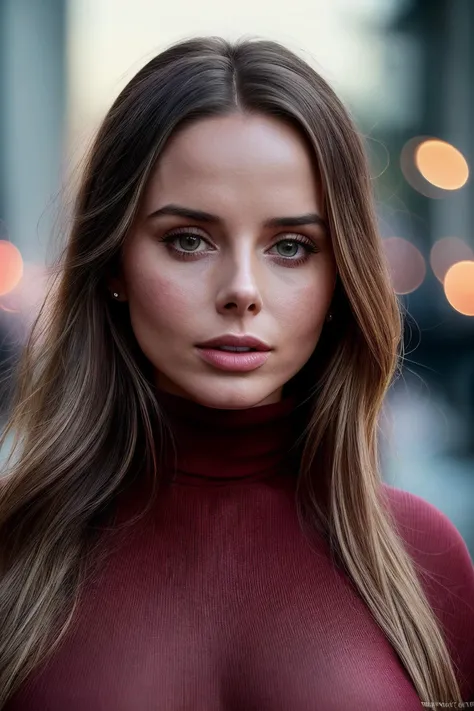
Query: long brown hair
x,y
81,371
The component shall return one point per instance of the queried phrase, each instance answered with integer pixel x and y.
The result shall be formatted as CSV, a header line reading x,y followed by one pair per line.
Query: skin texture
x,y
245,169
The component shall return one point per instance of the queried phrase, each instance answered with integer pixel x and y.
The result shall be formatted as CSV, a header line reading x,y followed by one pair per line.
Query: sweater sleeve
x,y
447,575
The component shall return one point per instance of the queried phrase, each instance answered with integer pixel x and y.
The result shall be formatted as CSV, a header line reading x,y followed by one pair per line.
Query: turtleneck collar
x,y
219,445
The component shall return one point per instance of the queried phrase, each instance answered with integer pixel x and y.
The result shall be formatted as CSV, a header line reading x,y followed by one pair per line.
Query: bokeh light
x,y
11,266
411,173
28,294
441,164
446,252
433,167
406,264
459,287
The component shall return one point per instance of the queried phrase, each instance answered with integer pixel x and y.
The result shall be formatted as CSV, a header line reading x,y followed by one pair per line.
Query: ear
x,y
116,284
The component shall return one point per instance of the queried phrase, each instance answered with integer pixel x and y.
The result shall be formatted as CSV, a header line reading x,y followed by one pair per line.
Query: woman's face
x,y
235,273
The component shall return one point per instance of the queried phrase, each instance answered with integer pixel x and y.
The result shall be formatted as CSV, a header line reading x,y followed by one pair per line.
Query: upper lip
x,y
233,340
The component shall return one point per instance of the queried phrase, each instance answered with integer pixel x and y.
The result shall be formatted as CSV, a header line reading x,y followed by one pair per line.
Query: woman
x,y
187,527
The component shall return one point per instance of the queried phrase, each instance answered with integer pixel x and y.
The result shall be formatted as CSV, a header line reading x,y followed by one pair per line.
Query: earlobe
x,y
118,295
116,290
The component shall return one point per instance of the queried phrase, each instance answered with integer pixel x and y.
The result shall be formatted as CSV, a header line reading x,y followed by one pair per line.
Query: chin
x,y
240,398
226,395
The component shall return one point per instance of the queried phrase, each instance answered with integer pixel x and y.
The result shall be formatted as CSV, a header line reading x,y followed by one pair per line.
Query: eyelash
x,y
308,245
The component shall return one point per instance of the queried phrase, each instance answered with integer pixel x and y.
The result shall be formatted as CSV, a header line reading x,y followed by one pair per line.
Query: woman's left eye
x,y
293,245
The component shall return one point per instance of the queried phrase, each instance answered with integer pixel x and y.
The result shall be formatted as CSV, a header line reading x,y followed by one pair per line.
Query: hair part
x,y
57,497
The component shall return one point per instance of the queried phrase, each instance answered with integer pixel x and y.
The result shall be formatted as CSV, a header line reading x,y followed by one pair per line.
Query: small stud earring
x,y
115,294
329,318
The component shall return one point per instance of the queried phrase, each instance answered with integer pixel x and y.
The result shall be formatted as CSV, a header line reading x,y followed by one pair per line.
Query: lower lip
x,y
228,360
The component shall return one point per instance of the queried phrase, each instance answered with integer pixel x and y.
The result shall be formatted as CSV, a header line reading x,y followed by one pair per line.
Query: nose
x,y
240,289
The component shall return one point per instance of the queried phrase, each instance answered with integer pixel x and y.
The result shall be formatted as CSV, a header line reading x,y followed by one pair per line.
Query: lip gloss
x,y
234,361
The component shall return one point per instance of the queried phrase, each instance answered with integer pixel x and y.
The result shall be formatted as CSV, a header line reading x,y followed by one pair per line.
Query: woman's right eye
x,y
189,243
186,239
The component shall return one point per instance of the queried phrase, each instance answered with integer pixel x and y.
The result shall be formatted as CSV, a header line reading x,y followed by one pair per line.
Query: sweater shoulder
x,y
446,572
430,534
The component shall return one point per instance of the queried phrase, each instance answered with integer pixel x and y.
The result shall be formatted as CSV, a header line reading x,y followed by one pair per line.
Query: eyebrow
x,y
310,218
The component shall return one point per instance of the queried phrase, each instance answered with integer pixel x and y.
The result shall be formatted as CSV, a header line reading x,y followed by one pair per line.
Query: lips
x,y
236,341
233,361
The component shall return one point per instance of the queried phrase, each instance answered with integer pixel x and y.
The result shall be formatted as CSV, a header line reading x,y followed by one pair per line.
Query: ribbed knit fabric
x,y
216,601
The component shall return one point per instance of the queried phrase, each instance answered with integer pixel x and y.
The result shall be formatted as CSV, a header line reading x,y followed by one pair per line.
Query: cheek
x,y
301,312
161,304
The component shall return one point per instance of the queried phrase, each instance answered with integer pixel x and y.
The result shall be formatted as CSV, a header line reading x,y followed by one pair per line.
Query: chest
x,y
181,621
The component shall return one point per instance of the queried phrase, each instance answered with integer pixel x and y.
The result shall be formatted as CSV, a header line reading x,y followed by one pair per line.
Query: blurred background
x,y
405,69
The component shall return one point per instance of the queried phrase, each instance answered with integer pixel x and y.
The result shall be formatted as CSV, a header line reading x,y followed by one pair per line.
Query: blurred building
x,y
443,32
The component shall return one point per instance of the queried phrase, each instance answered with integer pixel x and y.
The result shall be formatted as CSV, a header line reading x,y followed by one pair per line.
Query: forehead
x,y
236,155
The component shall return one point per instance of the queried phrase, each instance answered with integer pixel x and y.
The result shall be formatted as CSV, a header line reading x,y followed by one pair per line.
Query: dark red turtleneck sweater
x,y
216,601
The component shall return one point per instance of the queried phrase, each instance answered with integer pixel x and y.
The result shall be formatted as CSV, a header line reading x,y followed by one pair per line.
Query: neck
x,y
216,445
